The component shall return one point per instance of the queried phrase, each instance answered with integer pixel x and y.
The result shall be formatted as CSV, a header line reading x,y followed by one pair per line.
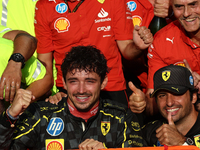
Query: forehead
x,y
76,73
184,2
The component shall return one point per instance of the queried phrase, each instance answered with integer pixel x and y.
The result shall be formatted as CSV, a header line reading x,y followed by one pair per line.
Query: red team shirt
x,y
96,22
171,46
142,12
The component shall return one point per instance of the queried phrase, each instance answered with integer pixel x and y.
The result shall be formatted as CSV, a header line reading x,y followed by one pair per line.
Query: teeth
x,y
81,97
172,110
190,20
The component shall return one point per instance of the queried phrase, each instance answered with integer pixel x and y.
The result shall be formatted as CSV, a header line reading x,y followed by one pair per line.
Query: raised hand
x,y
21,101
161,8
142,37
137,101
168,134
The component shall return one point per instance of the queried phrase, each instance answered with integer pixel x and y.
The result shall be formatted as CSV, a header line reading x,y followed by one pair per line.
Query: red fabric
x,y
85,28
144,10
142,16
83,115
171,46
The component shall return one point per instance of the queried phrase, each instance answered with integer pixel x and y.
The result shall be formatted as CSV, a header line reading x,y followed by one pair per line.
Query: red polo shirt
x,y
171,46
96,22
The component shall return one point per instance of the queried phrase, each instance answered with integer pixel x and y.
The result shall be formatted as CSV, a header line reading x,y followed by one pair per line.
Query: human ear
x,y
104,83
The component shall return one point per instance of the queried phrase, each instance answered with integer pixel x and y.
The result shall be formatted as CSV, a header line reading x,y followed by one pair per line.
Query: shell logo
x,y
62,24
137,20
54,145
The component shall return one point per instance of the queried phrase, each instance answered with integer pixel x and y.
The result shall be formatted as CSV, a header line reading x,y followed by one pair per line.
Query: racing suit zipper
x,y
83,126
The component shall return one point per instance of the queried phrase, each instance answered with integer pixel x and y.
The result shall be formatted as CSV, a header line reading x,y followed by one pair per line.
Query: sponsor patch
x,y
179,64
55,126
197,140
137,20
54,144
166,74
62,24
191,80
104,28
61,8
105,127
102,13
132,6
135,126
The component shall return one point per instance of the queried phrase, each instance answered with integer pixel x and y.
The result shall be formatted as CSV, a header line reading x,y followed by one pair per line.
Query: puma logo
x,y
171,40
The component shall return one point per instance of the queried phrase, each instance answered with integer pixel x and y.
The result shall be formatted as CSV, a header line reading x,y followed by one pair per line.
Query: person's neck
x,y
195,37
81,114
187,123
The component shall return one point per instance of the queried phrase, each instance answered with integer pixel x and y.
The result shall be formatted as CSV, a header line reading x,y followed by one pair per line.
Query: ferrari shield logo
x,y
197,140
105,127
166,75
101,1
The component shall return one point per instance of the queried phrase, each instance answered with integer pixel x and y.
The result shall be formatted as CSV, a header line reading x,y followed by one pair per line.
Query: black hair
x,y
87,58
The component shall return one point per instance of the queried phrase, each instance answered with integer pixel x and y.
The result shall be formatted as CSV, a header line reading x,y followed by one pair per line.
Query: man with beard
x,y
81,120
175,96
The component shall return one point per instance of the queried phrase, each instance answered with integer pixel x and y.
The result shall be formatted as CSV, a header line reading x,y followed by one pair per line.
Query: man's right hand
x,y
10,80
21,101
56,98
161,8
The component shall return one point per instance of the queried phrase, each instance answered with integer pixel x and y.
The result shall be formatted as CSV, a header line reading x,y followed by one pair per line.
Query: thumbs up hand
x,y
168,134
142,37
137,100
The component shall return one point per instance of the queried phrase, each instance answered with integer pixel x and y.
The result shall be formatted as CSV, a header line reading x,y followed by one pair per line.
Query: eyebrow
x,y
191,3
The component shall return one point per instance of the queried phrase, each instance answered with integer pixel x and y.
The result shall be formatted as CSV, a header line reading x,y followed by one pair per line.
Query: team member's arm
x,y
42,86
8,118
25,44
45,44
132,49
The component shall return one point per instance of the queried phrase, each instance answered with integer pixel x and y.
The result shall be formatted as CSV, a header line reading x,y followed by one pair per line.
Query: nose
x,y
170,100
81,88
187,12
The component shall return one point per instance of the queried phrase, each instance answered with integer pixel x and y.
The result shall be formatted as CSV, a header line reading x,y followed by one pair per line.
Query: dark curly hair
x,y
87,58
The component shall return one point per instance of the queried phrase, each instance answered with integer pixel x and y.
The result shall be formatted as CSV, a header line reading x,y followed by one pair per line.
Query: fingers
x,y
9,88
145,35
170,120
137,101
56,98
187,65
91,144
2,84
21,101
161,8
